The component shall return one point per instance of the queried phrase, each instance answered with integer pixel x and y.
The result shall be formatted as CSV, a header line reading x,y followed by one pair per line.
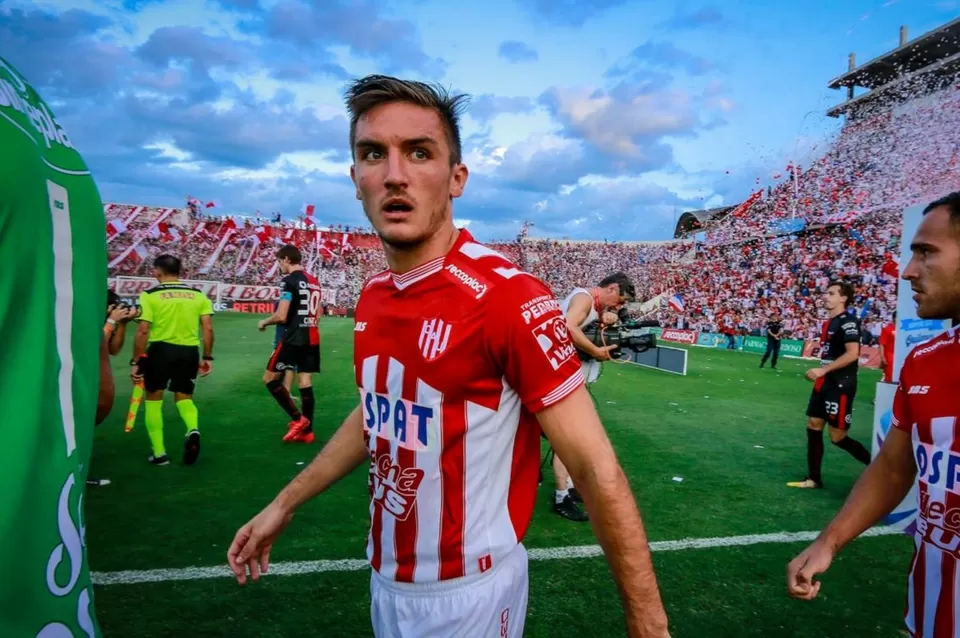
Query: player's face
x,y
284,265
833,299
402,173
934,268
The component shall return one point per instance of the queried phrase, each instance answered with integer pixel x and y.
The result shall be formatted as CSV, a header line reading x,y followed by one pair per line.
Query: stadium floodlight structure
x,y
921,66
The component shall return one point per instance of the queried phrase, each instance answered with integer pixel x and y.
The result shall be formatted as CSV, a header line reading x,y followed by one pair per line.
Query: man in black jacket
x,y
774,334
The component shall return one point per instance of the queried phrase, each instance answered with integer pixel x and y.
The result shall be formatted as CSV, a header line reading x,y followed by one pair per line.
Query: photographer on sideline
x,y
581,308
119,315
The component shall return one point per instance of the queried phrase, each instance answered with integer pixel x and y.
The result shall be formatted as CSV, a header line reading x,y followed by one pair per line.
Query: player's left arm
x,y
581,443
540,363
206,328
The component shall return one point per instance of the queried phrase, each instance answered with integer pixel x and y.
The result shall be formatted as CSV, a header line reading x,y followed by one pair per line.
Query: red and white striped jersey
x,y
453,359
927,406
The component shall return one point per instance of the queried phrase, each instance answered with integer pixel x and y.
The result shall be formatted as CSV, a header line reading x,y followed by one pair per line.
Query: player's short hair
x,y
113,299
290,252
952,203
846,289
374,90
168,264
624,283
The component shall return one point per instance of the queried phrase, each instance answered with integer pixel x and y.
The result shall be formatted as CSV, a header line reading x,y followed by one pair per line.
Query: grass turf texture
x,y
703,427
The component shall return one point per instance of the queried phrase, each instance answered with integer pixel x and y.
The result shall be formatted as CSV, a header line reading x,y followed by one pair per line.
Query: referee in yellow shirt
x,y
166,356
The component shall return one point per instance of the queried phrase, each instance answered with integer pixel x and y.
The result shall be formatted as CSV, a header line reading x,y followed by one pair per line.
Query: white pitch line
x,y
299,568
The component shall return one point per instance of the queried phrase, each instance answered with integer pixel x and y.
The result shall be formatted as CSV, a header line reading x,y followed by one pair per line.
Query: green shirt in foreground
x,y
174,312
53,269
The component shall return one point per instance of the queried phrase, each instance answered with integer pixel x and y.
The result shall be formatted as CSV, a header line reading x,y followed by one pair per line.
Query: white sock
x,y
561,494
569,483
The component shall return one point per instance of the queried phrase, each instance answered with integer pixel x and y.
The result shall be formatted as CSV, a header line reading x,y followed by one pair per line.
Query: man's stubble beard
x,y
435,222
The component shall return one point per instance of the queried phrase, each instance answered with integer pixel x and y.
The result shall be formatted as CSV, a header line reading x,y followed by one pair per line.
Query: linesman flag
x,y
135,400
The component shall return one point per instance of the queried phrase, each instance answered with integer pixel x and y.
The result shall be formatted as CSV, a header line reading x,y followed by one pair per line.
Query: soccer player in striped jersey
x,y
460,359
924,443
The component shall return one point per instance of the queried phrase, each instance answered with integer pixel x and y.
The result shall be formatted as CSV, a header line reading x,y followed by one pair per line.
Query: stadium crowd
x,y
838,217
722,287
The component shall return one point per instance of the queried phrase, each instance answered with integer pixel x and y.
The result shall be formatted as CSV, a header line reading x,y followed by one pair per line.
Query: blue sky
x,y
590,118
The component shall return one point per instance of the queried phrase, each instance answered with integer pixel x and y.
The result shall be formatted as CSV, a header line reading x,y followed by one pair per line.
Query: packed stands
x,y
724,286
837,217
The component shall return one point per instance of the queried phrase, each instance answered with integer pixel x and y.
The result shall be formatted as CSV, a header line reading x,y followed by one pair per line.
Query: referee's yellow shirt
x,y
174,312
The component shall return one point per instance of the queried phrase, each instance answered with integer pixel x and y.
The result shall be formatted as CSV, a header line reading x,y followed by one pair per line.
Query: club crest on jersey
x,y
398,420
553,338
434,336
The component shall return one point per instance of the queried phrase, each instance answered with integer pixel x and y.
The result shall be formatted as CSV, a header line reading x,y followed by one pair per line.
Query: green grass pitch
x,y
733,432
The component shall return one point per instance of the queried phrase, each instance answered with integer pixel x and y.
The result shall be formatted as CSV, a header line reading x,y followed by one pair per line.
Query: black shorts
x,y
833,403
170,367
305,359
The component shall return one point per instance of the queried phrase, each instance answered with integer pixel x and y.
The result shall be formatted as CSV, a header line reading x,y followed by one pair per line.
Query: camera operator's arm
x,y
117,320
579,309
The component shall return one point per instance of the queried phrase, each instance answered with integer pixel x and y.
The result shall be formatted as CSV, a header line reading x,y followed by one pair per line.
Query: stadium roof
x,y
935,51
693,220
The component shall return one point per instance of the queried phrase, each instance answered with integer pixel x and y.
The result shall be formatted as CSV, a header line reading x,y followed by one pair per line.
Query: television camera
x,y
625,335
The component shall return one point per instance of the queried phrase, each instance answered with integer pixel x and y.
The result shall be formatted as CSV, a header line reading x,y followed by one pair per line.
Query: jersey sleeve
x,y
206,306
528,339
287,290
901,417
850,328
146,307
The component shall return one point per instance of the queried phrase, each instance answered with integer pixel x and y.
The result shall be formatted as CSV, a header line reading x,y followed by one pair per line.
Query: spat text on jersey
x,y
394,419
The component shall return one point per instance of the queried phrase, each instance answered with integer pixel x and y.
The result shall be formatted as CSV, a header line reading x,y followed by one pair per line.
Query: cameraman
x,y
581,308
119,315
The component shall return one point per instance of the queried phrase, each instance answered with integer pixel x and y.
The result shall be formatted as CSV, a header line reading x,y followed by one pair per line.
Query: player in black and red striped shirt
x,y
835,384
299,348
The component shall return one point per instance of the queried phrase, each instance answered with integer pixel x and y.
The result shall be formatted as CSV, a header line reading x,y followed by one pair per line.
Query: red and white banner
x,y
235,292
679,336
241,292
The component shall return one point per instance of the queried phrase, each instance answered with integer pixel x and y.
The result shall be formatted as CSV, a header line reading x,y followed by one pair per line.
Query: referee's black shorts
x,y
170,367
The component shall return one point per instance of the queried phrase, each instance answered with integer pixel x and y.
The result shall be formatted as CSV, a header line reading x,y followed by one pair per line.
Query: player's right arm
x,y
250,550
881,487
579,309
287,294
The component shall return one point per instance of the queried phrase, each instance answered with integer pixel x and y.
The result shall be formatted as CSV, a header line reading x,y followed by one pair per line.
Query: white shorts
x,y
486,605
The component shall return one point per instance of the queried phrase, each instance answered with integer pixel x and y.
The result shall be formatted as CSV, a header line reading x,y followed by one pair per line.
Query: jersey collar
x,y
423,271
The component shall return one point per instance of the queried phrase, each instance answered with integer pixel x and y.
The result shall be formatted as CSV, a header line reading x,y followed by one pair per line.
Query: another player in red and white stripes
x,y
924,444
460,359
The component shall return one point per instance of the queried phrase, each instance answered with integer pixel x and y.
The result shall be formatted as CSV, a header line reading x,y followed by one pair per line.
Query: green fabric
x,y
53,267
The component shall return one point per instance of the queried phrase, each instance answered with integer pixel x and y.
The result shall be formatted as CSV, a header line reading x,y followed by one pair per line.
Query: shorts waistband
x,y
450,585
